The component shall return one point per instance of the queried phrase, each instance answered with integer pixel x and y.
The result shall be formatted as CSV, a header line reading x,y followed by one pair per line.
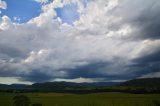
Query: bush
x,y
21,100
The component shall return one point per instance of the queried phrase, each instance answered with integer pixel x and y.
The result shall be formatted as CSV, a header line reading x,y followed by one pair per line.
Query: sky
x,y
79,40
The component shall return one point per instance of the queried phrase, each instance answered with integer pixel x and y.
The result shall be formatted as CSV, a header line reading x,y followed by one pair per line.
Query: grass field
x,y
97,99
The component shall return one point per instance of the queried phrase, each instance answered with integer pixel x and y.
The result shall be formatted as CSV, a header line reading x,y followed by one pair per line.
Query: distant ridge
x,y
143,82
56,86
143,85
59,85
12,86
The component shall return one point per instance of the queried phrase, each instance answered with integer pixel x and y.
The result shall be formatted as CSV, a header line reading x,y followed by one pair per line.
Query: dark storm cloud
x,y
147,63
148,23
10,51
139,68
101,70
87,71
149,58
143,16
4,72
36,76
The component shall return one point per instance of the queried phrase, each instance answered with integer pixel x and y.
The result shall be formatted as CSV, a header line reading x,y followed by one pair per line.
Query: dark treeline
x,y
135,90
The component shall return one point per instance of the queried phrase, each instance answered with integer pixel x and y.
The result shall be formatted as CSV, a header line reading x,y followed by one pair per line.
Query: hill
x,y
58,86
143,82
69,86
144,85
12,86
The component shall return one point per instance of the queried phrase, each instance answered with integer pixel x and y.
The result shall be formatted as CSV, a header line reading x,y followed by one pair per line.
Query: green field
x,y
97,99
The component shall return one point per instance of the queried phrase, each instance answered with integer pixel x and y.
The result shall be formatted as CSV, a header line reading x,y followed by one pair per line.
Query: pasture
x,y
95,99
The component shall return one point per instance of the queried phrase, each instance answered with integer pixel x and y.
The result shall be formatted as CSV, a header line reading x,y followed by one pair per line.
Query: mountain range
x,y
144,84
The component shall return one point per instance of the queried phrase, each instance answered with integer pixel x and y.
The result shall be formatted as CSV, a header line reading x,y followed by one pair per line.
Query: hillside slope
x,y
144,82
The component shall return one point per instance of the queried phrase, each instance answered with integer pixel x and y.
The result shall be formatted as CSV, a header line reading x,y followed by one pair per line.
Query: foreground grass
x,y
97,99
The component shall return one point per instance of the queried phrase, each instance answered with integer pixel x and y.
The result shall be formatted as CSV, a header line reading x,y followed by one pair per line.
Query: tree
x,y
21,100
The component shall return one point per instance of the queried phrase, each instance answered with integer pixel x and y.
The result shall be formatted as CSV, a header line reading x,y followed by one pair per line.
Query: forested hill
x,y
144,85
55,86
143,82
59,85
12,86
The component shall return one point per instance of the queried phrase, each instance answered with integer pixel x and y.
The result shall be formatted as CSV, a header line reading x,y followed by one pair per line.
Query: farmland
x,y
95,99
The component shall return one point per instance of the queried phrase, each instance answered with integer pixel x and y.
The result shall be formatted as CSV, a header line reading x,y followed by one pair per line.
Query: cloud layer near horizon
x,y
111,40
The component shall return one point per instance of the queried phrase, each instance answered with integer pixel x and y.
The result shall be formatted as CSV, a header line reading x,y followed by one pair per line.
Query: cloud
x,y
79,80
5,22
3,4
149,53
110,41
151,75
41,1
144,19
12,80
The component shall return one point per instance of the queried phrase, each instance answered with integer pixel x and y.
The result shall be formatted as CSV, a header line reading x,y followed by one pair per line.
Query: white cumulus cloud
x,y
3,4
41,1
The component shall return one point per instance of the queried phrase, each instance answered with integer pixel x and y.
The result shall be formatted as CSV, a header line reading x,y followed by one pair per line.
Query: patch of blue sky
x,y
22,9
68,14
